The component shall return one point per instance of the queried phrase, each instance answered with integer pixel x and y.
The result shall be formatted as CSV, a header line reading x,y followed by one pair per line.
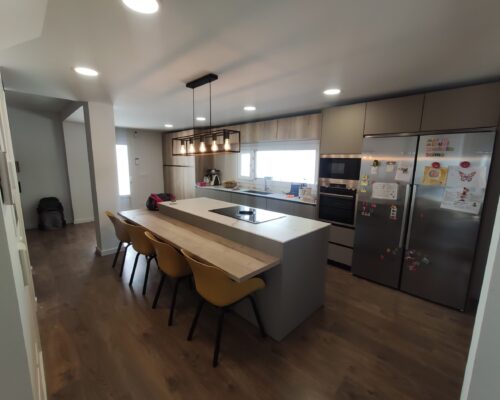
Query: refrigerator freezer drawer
x,y
340,254
341,235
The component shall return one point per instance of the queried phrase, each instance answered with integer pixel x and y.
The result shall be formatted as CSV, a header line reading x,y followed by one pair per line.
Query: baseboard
x,y
83,220
105,252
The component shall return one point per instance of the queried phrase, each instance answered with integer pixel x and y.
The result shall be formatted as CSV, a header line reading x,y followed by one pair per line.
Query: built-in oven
x,y
340,166
337,204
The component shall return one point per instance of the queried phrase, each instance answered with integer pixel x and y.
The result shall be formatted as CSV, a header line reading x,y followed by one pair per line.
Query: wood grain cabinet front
x,y
342,129
475,106
397,115
303,127
255,132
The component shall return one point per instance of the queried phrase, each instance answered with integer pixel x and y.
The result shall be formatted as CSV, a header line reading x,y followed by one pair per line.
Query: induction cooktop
x,y
248,214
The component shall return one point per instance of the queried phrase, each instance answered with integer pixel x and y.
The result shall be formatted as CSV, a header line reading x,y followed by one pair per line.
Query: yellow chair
x,y
215,287
172,264
122,235
142,246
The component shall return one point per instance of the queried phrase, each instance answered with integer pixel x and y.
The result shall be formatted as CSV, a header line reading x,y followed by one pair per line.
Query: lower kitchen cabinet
x,y
292,208
340,246
250,201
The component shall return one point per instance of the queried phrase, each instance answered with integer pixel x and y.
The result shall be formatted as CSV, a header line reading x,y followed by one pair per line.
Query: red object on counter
x,y
465,164
202,183
436,165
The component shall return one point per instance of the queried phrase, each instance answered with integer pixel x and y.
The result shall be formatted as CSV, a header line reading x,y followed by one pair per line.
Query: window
x,y
123,170
282,161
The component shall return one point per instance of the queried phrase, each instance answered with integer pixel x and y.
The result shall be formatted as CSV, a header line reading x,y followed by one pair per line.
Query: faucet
x,y
267,180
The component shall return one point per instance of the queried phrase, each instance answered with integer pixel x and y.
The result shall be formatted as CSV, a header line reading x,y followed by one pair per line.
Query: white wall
x,y
145,163
77,160
481,379
39,148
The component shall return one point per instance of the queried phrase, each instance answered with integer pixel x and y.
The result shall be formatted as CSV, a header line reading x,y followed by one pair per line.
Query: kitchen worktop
x,y
277,196
280,230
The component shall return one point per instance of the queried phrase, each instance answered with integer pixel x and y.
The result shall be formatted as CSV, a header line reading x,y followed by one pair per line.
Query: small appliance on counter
x,y
213,177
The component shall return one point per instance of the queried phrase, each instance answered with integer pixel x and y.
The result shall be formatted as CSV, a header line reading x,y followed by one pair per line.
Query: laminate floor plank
x,y
102,340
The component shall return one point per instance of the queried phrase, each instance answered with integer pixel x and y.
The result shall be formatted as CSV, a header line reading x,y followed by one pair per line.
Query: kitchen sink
x,y
257,192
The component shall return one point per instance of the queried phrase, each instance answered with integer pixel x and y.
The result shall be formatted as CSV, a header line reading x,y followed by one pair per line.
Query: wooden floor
x,y
102,340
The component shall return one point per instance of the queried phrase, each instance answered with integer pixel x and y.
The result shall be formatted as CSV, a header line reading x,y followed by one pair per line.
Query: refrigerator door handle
x,y
405,208
410,221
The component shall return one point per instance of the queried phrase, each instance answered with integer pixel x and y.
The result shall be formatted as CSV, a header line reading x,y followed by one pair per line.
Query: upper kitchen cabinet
x,y
342,129
304,127
398,115
262,131
468,107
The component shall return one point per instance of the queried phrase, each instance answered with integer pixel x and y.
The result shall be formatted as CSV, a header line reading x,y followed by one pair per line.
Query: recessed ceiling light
x,y
332,92
142,6
86,71
200,119
169,126
249,108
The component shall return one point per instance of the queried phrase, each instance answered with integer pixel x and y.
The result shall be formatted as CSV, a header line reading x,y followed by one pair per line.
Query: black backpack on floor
x,y
50,214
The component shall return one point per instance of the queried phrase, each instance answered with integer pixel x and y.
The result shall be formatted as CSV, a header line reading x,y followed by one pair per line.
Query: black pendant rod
x,y
193,111
210,101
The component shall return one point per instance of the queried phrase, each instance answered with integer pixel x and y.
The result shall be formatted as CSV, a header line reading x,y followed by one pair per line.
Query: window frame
x,y
276,146
118,171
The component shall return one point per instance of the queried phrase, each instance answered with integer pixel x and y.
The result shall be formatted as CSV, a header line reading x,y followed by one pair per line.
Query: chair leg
x,y
215,361
133,269
172,304
124,257
117,252
195,320
147,275
162,281
257,316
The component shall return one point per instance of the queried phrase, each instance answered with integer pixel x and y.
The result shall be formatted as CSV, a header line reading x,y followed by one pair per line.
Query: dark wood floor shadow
x,y
102,340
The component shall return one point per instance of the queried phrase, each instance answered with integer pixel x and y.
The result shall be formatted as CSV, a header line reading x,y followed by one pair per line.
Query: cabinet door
x,y
306,211
469,107
342,129
238,198
282,206
256,201
399,115
255,132
304,127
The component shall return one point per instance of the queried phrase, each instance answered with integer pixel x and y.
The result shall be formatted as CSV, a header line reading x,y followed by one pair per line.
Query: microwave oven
x,y
340,166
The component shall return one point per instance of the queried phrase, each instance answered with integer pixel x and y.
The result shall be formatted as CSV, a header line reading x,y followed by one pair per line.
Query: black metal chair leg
x,y
117,252
124,258
172,304
195,320
257,316
157,296
146,276
133,270
215,361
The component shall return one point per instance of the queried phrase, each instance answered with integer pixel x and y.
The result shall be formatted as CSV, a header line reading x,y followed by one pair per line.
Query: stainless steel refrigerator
x,y
418,212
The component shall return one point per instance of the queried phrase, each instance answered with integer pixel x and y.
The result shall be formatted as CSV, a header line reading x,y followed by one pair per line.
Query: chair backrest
x,y
170,260
211,282
120,227
140,242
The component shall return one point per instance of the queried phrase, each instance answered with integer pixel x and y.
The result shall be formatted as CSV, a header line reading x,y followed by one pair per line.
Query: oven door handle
x,y
342,196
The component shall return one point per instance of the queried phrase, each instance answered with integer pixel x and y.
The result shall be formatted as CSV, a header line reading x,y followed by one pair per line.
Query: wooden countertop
x,y
238,261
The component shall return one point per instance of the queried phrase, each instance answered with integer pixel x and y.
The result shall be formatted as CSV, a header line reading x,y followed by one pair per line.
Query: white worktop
x,y
280,230
277,196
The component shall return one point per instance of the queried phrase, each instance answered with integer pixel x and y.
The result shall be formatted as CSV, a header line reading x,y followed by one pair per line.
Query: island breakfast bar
x,y
289,253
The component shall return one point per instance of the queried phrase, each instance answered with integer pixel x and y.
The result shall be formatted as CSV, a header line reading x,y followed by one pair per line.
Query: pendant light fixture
x,y
195,144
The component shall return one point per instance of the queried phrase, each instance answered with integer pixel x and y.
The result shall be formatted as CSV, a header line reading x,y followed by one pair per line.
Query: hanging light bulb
x,y
183,147
203,148
227,145
214,144
191,146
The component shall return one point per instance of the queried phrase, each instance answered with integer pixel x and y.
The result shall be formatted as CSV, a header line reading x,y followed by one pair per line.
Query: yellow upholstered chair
x,y
142,246
216,288
122,235
172,264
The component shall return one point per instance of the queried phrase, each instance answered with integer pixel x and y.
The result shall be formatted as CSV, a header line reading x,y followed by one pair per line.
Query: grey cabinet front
x,y
342,129
398,115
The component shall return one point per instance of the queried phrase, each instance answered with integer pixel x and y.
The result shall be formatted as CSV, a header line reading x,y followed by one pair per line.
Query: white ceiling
x,y
37,103
277,55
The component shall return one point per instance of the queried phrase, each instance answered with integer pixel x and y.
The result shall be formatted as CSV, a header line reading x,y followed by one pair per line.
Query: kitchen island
x,y
295,284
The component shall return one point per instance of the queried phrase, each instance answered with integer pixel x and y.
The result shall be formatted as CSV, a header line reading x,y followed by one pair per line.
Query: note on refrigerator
x,y
434,176
467,177
385,191
404,171
463,199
